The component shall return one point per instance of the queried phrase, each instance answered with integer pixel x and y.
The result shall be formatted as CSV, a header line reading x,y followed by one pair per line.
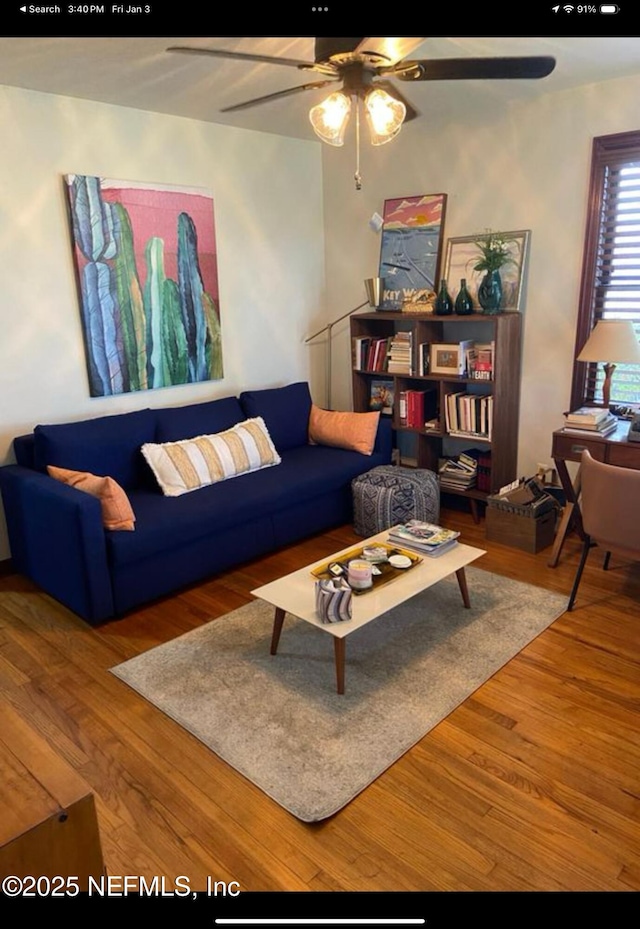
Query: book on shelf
x,y
469,414
464,348
480,361
400,353
426,538
483,479
423,358
357,352
413,408
381,395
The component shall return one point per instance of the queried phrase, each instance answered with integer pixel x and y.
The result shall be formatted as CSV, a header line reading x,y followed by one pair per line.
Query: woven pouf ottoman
x,y
390,494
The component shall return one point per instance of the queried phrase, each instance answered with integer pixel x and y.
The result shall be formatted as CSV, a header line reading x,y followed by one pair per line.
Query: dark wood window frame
x,y
609,154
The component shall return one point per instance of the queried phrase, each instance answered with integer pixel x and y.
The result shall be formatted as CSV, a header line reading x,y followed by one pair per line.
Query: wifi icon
x,y
568,8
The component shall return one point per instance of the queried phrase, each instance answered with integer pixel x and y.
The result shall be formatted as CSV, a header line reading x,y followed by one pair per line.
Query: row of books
x,y
413,408
395,356
427,538
370,354
590,421
469,414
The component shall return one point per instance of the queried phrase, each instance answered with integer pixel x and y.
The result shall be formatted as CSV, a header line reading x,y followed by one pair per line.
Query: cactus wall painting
x,y
146,263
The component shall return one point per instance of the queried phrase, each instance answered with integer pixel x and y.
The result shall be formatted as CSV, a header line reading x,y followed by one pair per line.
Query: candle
x,y
359,574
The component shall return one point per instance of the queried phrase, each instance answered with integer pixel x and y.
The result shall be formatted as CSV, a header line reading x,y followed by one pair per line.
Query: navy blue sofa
x,y
56,534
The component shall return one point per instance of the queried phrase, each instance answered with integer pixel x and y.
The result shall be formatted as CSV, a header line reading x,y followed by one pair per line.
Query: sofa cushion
x,y
285,411
117,513
181,467
355,431
108,446
163,523
185,422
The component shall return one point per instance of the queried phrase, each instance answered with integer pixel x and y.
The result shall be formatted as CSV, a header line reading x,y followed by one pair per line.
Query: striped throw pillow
x,y
181,467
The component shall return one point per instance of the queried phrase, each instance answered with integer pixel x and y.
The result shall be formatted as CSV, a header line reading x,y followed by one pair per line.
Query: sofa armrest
x,y
384,438
57,540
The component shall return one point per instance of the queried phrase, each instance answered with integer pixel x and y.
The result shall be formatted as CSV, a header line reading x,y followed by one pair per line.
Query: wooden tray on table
x,y
387,571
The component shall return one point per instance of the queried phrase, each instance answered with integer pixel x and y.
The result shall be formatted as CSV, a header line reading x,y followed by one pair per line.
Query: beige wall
x,y
277,206
268,213
520,167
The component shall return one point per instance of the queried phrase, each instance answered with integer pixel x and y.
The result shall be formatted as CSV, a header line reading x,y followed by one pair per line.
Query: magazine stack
x,y
426,538
458,473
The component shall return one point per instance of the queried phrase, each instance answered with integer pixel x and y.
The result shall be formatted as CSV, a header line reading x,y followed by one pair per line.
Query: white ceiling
x,y
138,72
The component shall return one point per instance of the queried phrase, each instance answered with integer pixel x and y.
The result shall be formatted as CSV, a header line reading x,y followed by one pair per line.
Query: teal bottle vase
x,y
490,293
444,304
464,303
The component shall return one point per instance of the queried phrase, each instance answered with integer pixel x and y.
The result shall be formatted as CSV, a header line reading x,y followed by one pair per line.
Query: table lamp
x,y
612,341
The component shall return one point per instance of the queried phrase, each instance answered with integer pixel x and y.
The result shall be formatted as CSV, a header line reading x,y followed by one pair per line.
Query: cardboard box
x,y
523,532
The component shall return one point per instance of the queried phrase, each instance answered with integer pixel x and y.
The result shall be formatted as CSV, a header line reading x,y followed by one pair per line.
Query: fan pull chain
x,y
358,177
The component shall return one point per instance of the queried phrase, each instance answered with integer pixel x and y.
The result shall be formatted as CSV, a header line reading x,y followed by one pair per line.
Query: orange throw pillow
x,y
354,431
117,512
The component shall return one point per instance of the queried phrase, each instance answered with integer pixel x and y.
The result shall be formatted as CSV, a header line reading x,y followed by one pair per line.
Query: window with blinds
x,y
611,264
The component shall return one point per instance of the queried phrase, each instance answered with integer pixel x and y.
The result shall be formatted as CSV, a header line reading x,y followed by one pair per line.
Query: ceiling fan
x,y
363,67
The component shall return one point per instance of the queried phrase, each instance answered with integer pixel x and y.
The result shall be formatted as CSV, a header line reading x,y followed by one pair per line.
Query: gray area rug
x,y
278,719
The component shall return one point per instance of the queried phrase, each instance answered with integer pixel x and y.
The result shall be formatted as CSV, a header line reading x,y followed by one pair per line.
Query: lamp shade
x,y
612,340
330,118
374,287
385,116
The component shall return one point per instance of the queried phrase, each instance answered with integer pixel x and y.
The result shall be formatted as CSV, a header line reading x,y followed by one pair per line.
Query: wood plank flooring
x,y
533,784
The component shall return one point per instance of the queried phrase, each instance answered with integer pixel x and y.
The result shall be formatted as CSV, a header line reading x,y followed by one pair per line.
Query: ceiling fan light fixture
x,y
330,118
385,116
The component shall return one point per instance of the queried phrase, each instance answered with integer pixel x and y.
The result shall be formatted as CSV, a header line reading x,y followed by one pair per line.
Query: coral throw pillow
x,y
354,431
117,512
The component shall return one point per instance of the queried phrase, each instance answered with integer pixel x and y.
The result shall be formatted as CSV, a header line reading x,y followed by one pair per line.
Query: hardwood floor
x,y
532,784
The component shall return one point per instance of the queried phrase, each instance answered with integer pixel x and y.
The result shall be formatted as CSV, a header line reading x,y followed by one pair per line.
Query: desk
x,y
614,449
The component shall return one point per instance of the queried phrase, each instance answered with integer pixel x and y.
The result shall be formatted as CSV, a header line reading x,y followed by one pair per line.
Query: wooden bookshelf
x,y
504,331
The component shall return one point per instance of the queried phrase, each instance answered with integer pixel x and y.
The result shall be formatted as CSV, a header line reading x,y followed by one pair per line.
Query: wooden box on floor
x,y
523,532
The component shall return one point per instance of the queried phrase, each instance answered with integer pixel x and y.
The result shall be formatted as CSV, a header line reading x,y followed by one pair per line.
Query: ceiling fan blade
x,y
240,56
275,96
455,69
412,113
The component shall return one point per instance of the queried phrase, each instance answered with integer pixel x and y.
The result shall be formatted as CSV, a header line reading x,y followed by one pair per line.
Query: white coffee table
x,y
295,593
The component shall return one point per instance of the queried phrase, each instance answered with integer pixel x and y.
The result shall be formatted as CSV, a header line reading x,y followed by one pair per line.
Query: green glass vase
x,y
444,304
464,303
490,293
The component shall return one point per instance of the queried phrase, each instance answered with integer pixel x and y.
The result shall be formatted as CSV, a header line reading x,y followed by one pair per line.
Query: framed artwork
x,y
411,250
461,255
145,260
444,358
381,396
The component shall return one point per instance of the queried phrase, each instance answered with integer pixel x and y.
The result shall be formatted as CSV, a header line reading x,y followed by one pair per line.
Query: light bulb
x,y
385,116
329,118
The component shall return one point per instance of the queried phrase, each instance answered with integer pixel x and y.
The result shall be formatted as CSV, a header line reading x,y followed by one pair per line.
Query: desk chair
x,y
610,510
